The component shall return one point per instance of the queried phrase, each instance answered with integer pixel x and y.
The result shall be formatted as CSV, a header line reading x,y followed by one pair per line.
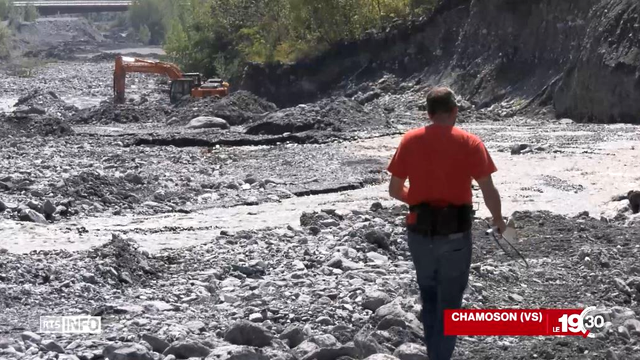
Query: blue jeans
x,y
442,267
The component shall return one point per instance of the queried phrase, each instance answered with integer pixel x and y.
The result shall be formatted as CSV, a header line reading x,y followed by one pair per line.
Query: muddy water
x,y
83,102
565,182
6,104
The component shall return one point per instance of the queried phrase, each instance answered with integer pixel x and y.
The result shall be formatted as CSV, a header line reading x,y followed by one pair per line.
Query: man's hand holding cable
x,y
500,225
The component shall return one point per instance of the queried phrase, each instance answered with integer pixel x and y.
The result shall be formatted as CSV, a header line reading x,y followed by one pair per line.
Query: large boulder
x,y
247,333
207,122
411,351
236,352
126,352
29,215
187,349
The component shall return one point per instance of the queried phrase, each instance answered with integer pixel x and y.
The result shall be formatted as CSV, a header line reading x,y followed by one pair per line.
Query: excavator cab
x,y
181,88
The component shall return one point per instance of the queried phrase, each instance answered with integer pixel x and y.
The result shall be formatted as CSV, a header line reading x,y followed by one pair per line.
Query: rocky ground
x,y
336,283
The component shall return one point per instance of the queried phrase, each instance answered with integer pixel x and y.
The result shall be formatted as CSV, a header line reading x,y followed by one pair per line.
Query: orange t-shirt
x,y
440,161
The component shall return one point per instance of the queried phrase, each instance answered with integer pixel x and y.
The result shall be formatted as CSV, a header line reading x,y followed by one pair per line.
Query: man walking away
x,y
440,160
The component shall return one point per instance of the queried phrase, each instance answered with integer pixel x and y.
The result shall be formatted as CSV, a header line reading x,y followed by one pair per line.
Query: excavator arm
x,y
126,65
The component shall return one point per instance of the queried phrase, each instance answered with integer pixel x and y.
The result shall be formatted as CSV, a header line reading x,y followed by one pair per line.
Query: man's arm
x,y
398,190
492,201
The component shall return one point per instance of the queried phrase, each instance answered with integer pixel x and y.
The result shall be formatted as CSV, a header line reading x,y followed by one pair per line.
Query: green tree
x,y
218,36
30,13
177,44
155,15
144,34
4,42
5,9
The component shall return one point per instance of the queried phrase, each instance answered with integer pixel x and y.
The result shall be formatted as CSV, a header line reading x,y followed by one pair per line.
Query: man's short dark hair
x,y
441,100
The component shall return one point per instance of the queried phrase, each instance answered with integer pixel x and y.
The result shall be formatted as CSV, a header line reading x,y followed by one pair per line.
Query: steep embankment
x,y
581,57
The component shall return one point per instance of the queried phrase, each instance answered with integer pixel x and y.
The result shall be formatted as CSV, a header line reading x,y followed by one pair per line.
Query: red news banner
x,y
521,322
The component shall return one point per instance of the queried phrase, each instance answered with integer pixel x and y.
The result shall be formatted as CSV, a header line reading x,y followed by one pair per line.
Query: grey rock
x,y
207,122
376,206
245,332
305,348
464,105
515,297
48,208
29,215
389,309
67,357
236,352
153,306
332,353
368,97
30,110
518,149
6,185
31,336
611,355
632,324
187,349
51,345
324,320
377,258
127,309
335,262
622,286
367,345
343,333
381,357
277,354
256,317
329,223
378,238
623,332
134,178
9,353
411,351
293,334
6,342
158,345
35,206
125,277
324,340
374,299
195,326
126,351
391,321
89,278
74,345
3,206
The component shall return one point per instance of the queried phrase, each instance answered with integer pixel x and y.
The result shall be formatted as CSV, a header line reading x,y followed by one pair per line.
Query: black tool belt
x,y
441,221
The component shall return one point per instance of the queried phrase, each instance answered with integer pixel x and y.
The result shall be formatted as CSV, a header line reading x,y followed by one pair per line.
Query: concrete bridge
x,y
76,6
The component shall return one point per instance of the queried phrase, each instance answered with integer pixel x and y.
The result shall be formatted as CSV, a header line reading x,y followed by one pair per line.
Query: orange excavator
x,y
182,84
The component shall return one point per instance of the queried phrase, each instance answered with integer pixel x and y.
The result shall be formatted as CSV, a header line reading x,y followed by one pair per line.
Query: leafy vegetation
x,y
155,15
217,36
4,42
144,34
14,14
5,9
30,13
